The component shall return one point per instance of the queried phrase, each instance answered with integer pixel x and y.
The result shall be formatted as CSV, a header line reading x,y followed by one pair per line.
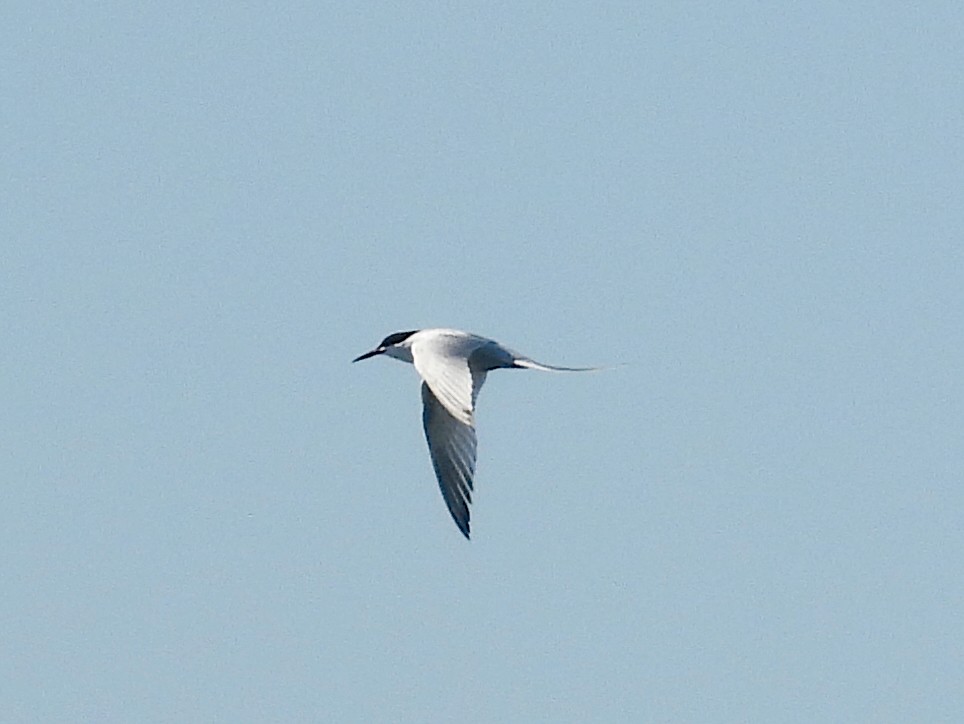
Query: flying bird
x,y
453,366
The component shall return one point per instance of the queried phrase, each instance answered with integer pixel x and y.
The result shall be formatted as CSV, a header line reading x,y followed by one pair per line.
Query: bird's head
x,y
394,345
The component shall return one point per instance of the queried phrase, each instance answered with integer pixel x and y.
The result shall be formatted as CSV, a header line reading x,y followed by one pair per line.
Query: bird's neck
x,y
401,353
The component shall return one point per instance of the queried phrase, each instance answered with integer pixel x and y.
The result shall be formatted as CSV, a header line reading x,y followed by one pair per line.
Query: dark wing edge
x,y
452,446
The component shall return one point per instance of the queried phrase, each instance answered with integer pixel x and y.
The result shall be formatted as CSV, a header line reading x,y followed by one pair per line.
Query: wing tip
x,y
463,525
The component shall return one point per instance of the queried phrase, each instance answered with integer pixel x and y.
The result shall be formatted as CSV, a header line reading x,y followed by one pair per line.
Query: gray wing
x,y
451,444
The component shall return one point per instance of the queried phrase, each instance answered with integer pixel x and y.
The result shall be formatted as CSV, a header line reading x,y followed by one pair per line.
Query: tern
x,y
453,366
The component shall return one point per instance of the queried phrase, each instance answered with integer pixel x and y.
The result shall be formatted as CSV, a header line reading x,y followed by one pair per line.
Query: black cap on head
x,y
394,339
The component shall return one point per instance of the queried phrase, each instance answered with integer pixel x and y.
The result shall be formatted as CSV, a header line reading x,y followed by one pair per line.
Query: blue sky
x,y
211,515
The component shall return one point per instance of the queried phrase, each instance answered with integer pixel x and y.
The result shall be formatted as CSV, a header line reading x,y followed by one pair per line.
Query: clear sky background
x,y
209,514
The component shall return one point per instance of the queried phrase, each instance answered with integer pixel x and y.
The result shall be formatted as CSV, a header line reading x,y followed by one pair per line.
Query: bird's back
x,y
458,347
